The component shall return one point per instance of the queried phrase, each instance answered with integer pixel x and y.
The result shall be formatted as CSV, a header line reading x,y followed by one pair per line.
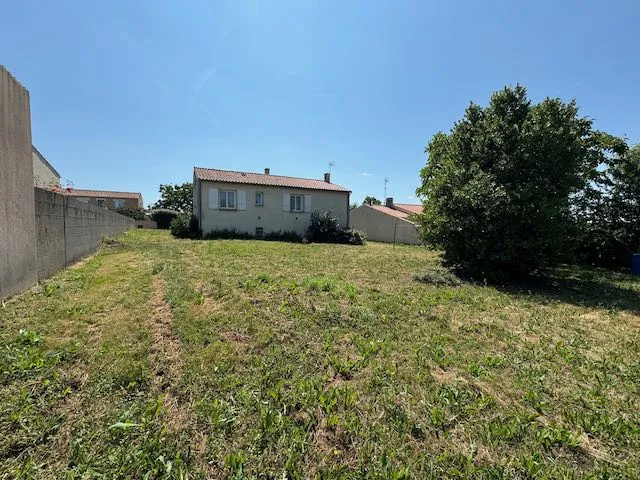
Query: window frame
x,y
101,202
119,202
226,199
259,233
292,203
261,193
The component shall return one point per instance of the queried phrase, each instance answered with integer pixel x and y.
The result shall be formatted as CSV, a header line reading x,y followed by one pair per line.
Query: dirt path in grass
x,y
166,364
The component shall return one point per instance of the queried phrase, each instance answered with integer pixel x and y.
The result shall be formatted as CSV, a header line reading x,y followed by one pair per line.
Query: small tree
x,y
176,197
497,189
371,201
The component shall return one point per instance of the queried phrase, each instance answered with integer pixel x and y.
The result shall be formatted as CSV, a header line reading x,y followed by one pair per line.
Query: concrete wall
x,y
109,202
271,216
68,230
43,173
17,222
149,224
379,226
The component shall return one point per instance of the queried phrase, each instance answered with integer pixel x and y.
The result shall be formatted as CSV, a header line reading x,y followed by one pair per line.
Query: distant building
x,y
44,175
391,222
260,203
107,199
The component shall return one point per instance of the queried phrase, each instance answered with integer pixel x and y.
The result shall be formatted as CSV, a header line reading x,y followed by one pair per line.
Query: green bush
x,y
163,217
498,187
324,228
185,225
135,213
232,234
439,276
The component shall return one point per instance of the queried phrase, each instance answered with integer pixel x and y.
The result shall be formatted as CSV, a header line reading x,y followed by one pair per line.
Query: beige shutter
x,y
286,202
242,200
307,203
213,198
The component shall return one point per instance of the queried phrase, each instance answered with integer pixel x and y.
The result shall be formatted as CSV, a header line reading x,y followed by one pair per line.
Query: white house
x,y
391,222
259,203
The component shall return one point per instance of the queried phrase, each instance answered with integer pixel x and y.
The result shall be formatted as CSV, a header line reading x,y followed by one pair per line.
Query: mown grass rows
x,y
318,361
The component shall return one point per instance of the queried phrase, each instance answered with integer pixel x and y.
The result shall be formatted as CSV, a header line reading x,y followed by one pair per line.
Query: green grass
x,y
163,358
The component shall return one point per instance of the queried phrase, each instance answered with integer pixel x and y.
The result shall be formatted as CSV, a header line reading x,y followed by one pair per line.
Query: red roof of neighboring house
x,y
409,208
74,192
228,176
390,211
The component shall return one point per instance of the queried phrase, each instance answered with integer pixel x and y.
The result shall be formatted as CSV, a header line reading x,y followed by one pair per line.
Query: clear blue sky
x,y
126,95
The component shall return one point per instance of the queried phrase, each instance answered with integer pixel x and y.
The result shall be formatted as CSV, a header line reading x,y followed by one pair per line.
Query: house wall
x,y
43,175
17,222
379,226
110,203
271,216
68,230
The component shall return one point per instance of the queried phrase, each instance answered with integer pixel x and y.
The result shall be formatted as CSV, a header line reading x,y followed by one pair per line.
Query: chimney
x,y
327,177
267,171
389,202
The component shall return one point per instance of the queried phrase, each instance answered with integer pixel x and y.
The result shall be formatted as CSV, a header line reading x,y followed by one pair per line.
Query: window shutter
x,y
242,200
307,203
213,198
286,206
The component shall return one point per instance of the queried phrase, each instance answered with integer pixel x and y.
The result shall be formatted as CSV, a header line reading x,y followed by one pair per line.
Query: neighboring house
x,y
391,222
44,175
106,199
259,203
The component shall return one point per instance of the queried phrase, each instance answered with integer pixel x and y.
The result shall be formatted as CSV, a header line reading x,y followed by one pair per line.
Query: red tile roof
x,y
228,176
74,192
409,208
390,211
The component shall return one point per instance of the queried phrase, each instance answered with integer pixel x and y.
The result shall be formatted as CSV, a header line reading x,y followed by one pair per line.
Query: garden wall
x,y
68,229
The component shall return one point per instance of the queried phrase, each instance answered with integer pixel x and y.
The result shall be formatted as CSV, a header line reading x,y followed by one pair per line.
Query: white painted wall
x,y
379,226
272,215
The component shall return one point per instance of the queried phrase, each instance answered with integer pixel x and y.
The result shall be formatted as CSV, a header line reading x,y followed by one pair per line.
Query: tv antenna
x,y
386,181
331,164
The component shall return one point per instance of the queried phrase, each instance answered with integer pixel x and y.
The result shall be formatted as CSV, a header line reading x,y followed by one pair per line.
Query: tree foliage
x,y
608,210
498,188
176,197
371,200
135,213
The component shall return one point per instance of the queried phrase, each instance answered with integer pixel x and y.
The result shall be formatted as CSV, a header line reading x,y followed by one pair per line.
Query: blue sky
x,y
126,95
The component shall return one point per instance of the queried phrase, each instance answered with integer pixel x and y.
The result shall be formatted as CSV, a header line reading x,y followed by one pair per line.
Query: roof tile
x,y
228,176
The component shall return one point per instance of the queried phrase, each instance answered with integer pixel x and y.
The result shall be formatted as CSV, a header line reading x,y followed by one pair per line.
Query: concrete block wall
x,y
17,222
68,230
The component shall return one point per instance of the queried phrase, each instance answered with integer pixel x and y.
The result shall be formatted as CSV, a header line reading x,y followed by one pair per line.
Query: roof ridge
x,y
265,174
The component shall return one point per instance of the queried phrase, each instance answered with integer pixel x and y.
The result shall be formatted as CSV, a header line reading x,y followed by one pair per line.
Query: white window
x,y
227,200
259,232
296,203
83,199
101,202
119,203
259,199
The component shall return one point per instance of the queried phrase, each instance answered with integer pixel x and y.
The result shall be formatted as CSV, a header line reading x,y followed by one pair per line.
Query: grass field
x,y
159,358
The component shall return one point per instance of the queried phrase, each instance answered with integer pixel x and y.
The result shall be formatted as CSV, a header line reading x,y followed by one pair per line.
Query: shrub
x,y
498,187
135,213
185,225
324,228
283,236
163,217
228,234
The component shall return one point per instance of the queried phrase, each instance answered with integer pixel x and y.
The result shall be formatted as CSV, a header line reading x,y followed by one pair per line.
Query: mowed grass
x,y
163,358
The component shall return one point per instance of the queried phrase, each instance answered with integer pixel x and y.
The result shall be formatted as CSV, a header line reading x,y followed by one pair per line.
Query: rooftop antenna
x,y
331,164
386,181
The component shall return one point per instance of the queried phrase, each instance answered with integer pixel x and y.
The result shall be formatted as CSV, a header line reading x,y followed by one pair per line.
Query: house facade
x,y
44,175
107,199
259,203
390,222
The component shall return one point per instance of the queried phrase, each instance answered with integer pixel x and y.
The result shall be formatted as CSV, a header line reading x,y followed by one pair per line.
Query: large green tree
x,y
497,189
176,197
608,210
369,200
